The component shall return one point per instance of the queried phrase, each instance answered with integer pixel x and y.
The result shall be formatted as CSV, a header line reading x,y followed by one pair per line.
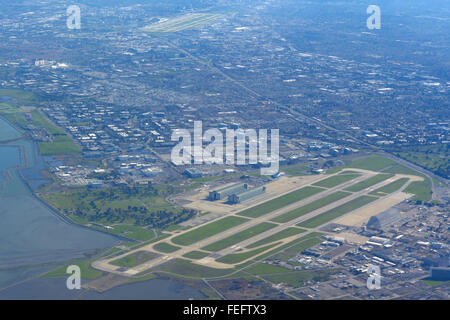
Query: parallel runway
x,y
105,265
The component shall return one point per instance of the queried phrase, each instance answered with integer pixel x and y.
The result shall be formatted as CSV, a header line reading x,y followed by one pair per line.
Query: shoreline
x,y
33,193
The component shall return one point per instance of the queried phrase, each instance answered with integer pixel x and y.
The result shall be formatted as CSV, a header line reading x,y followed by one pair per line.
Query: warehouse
x,y
225,192
238,198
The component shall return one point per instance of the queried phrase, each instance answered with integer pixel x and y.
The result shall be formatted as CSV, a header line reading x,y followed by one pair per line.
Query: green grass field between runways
x,y
280,202
369,182
311,207
208,230
337,212
286,233
239,237
336,180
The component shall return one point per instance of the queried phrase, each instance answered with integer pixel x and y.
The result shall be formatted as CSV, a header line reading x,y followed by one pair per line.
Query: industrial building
x,y
384,218
225,192
238,198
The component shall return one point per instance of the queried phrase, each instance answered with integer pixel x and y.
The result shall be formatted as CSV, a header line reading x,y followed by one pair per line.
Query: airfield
x,y
293,209
186,22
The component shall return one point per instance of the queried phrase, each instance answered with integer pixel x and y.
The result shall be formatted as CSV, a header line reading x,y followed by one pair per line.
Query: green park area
x,y
125,211
432,157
